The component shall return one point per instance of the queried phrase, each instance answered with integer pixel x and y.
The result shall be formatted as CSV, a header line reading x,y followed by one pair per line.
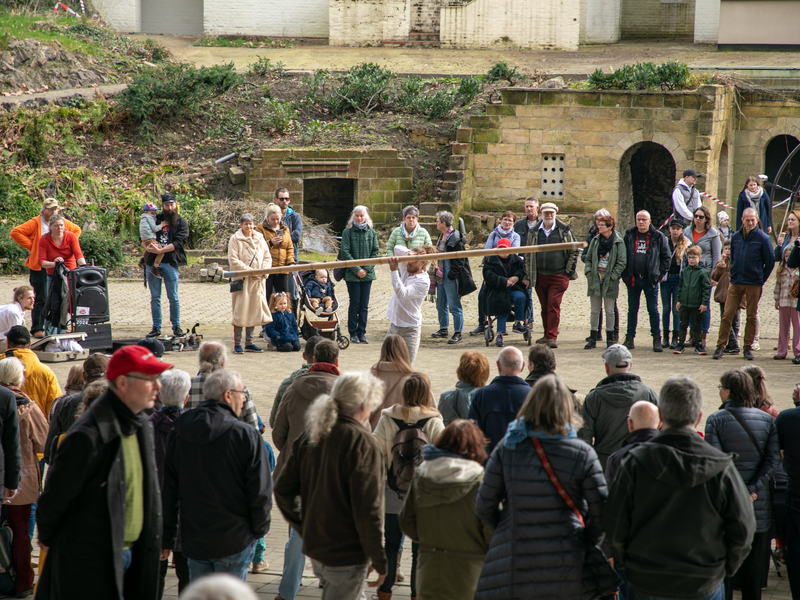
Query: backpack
x,y
406,454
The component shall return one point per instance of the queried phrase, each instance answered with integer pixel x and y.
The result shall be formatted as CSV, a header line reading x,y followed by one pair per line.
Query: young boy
x,y
320,290
693,289
147,233
721,275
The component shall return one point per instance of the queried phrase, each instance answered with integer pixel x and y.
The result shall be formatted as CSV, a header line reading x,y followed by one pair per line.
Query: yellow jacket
x,y
40,384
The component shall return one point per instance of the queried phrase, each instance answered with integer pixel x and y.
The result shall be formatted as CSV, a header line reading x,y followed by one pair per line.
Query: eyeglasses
x,y
150,379
699,216
719,387
237,391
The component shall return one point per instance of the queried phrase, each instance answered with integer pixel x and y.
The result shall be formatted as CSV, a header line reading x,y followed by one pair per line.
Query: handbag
x,y
598,578
795,291
338,273
237,285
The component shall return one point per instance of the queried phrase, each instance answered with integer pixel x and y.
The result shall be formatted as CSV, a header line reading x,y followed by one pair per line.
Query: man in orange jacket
x,y
27,236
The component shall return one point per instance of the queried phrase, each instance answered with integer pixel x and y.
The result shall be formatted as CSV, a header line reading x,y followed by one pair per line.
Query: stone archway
x,y
646,181
775,154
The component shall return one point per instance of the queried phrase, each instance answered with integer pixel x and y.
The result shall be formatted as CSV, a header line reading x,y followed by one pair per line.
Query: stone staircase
x,y
427,215
415,39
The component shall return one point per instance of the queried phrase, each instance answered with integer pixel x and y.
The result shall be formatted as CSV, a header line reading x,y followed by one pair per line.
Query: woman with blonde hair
x,y
542,445
417,420
279,240
472,374
341,494
393,369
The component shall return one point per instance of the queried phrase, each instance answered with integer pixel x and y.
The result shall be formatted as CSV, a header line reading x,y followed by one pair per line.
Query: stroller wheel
x,y
343,342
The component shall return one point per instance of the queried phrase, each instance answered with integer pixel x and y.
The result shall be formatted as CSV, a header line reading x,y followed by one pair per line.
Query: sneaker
x,y
237,349
731,350
155,272
519,327
354,339
479,330
499,341
699,349
318,311
455,339
679,349
252,348
154,332
796,360
755,346
717,354
747,354
260,567
178,332
362,339
442,333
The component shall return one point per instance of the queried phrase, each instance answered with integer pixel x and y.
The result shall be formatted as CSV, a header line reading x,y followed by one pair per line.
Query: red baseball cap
x,y
134,359
504,243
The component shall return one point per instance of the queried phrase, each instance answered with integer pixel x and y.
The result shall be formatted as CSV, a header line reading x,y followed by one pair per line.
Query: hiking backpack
x,y
406,454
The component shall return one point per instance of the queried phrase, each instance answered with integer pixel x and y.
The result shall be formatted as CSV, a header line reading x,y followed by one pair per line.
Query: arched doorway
x,y
777,150
646,181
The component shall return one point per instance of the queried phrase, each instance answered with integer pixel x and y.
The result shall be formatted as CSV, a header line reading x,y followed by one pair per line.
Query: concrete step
x,y
423,36
411,43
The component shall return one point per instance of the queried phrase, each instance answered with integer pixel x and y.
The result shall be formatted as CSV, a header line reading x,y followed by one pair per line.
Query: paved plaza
x,y
209,304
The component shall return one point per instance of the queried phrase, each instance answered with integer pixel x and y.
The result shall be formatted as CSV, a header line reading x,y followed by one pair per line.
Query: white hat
x,y
548,206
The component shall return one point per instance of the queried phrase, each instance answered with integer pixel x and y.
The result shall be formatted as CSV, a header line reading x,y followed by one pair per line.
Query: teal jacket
x,y
617,260
357,244
694,287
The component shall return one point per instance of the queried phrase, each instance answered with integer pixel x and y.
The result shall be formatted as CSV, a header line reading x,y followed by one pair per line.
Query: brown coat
x,y
250,306
722,275
32,436
393,382
281,255
290,421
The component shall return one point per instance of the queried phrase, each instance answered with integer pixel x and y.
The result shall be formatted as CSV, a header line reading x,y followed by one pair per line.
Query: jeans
x,y
18,518
642,284
624,587
669,295
518,300
550,289
248,335
294,561
38,281
181,570
127,558
342,583
393,538
358,310
793,542
717,594
752,295
598,303
447,298
293,346
170,278
751,570
235,564
411,337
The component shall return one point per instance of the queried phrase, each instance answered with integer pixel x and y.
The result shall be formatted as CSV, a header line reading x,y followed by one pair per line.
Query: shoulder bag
x,y
237,285
598,578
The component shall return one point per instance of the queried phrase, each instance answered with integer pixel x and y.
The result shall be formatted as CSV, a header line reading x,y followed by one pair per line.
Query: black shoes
x,y
717,354
442,333
679,349
657,347
178,332
154,332
731,350
354,339
628,343
455,339
591,341
748,354
479,330
362,339
700,349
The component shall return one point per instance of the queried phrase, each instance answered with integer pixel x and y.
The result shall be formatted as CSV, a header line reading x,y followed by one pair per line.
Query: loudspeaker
x,y
88,287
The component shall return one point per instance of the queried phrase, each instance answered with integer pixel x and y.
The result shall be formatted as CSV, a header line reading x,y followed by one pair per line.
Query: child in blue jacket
x,y
282,332
320,292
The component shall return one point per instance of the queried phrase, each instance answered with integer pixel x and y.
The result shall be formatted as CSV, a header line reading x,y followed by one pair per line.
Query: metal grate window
x,y
552,176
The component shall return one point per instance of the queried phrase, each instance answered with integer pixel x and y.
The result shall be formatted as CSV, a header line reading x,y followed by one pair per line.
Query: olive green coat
x,y
617,260
439,514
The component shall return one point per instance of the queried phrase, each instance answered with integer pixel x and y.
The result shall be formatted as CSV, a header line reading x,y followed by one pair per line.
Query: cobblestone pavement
x,y
209,305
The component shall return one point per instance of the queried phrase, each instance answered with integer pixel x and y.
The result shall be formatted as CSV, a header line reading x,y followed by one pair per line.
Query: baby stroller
x,y
328,325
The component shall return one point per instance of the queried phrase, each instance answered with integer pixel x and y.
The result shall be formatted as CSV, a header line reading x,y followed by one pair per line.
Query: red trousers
x,y
550,290
18,519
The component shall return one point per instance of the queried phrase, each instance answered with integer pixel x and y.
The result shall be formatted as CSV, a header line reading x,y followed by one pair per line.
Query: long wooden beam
x,y
383,260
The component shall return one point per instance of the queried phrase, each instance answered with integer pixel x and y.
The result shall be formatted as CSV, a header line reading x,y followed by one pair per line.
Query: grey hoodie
x,y
605,412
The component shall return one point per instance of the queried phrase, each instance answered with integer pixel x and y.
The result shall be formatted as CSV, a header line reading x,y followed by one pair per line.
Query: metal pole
x,y
383,260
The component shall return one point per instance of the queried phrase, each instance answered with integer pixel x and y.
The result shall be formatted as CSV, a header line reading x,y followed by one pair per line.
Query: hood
x,y
164,420
446,480
204,424
693,462
640,436
311,384
415,413
619,389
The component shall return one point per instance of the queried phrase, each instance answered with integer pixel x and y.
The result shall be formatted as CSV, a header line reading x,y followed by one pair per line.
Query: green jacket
x,y
694,287
439,514
356,244
617,259
397,238
565,235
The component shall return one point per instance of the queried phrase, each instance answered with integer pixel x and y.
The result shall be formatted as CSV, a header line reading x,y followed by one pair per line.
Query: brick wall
x,y
425,15
122,16
278,18
362,22
657,19
706,21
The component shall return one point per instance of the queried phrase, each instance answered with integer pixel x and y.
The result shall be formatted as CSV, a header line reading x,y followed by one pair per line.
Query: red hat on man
x,y
134,359
504,243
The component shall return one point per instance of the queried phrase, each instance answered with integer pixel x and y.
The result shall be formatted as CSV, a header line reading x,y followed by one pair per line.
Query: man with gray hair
x,y
216,472
496,405
453,278
678,517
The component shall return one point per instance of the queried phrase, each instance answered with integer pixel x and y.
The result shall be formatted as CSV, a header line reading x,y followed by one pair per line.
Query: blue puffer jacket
x,y
752,258
283,328
725,433
538,546
314,289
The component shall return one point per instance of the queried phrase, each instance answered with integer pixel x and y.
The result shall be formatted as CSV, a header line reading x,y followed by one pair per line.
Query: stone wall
x,y
657,19
276,18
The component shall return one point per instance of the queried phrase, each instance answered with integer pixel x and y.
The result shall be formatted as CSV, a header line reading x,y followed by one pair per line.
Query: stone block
x,y
464,135
367,173
300,154
405,184
588,99
501,110
617,100
705,127
396,172
524,111
584,162
586,138
395,162
515,136
627,125
376,197
373,162
275,153
480,148
383,153
503,149
460,148
384,184
236,175
484,122
666,114
453,176
646,100
389,207
673,100
691,101
259,185
490,136
636,113
353,153
596,124
554,98
458,162
513,96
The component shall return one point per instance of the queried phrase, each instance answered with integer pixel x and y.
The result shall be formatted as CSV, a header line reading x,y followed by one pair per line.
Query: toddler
x,y
282,332
693,289
788,317
147,233
320,292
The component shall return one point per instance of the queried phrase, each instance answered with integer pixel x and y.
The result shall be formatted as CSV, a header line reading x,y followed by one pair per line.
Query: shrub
x,y
410,89
316,85
34,142
102,247
643,76
279,115
198,212
15,254
502,72
363,89
437,106
468,89
349,130
16,204
315,129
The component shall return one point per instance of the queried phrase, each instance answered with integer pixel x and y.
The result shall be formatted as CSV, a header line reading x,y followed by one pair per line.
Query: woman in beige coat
x,y
247,250
32,436
393,369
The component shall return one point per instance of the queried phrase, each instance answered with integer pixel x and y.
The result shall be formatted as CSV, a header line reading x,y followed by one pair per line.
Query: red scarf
x,y
325,367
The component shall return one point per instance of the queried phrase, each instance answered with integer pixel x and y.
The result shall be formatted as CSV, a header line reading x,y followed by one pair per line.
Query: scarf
x,y
361,226
441,246
409,236
325,368
518,430
430,452
503,233
128,422
754,198
604,245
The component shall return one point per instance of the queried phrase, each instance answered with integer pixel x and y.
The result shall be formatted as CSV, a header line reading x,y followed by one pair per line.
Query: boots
x,y
611,339
628,343
592,343
657,347
674,343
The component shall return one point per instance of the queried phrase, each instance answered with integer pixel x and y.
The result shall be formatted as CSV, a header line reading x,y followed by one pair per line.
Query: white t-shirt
x,y
45,225
10,315
405,307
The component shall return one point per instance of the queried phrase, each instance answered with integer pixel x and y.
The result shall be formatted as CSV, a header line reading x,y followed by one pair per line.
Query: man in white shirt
x,y
14,313
686,198
410,283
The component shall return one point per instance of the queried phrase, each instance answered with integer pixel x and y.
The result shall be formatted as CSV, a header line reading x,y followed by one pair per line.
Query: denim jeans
x,y
38,281
447,298
170,278
294,561
127,557
393,538
641,284
717,594
235,564
358,310
669,296
518,300
793,542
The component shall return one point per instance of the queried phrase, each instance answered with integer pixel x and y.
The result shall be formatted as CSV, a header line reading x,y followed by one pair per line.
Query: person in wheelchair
x,y
506,284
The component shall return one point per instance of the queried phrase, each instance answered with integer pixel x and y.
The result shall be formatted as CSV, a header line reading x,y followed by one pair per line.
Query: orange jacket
x,y
28,234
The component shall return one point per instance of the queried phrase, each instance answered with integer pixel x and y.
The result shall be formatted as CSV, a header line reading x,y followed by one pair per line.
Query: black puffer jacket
x,y
658,255
496,271
538,546
725,433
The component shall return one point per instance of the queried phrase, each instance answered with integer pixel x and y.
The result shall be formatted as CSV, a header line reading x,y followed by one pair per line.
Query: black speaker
x,y
88,288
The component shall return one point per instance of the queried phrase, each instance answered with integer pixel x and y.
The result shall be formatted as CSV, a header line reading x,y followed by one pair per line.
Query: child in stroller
x,y
320,293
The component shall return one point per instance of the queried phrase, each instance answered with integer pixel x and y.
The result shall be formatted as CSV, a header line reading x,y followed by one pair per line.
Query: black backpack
x,y
406,454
